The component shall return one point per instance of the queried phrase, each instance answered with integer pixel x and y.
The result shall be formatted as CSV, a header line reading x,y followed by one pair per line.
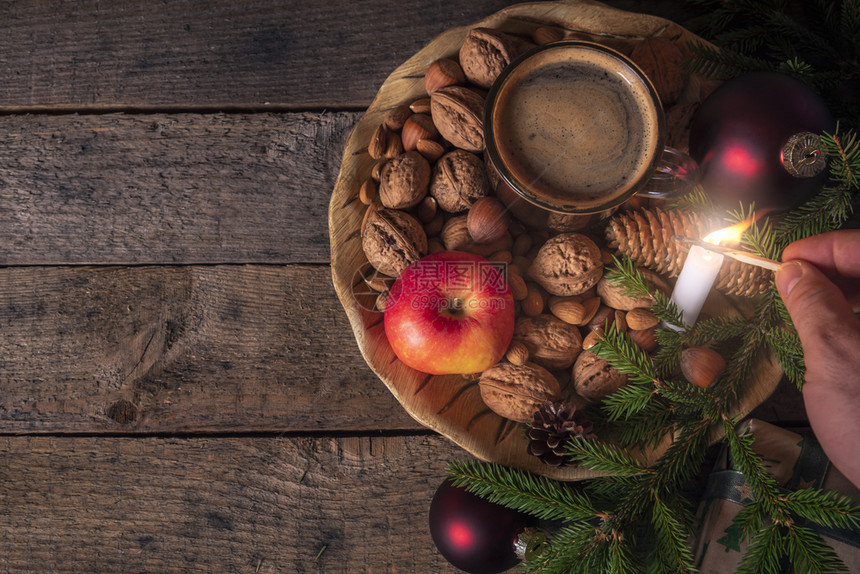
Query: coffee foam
x,y
566,122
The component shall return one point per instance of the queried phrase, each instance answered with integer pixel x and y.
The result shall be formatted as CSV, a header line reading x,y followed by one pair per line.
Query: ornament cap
x,y
530,543
803,155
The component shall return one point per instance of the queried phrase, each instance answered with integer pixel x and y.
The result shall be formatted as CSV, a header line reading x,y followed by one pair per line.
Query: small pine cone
x,y
647,236
554,425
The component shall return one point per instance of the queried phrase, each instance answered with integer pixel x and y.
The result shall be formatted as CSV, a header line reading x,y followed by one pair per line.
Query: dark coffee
x,y
577,127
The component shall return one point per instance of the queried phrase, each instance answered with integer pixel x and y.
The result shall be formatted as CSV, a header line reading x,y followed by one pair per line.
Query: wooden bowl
x,y
451,405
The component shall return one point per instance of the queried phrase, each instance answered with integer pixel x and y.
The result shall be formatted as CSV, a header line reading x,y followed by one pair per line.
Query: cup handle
x,y
676,174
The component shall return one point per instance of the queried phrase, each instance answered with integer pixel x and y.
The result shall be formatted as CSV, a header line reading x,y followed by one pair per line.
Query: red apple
x,y
450,312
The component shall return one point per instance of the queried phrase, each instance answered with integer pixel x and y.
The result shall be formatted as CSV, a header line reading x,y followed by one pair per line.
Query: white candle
x,y
695,281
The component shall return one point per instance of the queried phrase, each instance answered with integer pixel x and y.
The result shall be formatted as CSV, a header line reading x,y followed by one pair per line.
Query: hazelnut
x,y
458,180
701,366
442,73
417,127
645,339
567,264
404,180
516,391
487,220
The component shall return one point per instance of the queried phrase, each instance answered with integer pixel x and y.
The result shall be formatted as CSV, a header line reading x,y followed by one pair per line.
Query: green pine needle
x,y
520,490
604,457
824,507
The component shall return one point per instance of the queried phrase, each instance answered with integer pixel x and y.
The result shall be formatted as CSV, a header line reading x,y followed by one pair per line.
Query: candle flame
x,y
731,234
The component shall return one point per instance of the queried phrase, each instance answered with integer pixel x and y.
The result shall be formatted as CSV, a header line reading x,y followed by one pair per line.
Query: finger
x,y
836,252
825,321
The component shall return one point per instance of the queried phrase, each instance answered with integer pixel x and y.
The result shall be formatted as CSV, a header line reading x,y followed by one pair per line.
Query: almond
x,y
533,304
641,318
569,311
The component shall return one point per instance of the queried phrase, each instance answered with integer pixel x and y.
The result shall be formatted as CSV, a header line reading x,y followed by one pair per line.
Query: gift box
x,y
796,461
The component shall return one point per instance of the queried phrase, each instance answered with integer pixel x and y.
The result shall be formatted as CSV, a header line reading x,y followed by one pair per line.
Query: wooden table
x,y
179,386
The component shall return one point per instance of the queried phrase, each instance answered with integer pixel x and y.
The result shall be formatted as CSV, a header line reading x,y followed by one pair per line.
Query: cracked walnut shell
x,y
517,391
458,113
567,264
484,54
551,342
392,240
458,180
404,180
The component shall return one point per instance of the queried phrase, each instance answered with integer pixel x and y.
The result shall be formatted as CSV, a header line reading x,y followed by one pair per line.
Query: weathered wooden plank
x,y
290,505
221,53
183,188
172,349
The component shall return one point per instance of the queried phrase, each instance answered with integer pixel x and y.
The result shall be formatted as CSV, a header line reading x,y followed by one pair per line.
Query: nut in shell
x,y
458,113
484,54
662,61
458,180
614,294
417,127
567,264
404,181
701,366
487,220
551,342
594,378
442,73
515,392
645,339
518,353
396,117
391,239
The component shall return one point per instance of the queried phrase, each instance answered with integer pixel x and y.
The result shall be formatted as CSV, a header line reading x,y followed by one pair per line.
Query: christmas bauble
x,y
755,140
473,534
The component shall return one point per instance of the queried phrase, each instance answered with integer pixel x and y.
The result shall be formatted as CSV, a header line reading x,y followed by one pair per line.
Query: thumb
x,y
817,306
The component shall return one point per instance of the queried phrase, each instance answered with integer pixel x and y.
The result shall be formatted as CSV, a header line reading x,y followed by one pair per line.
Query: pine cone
x,y
647,236
554,425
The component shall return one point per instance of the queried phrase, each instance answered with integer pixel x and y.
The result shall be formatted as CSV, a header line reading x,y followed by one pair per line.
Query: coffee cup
x,y
574,129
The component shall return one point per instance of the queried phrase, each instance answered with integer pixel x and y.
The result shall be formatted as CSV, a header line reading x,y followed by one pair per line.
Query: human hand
x,y
819,282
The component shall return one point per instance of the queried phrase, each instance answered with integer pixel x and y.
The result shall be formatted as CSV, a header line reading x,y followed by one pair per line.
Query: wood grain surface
x,y
219,505
180,389
168,188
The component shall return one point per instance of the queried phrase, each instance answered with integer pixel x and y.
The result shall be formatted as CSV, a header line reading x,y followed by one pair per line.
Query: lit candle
x,y
695,281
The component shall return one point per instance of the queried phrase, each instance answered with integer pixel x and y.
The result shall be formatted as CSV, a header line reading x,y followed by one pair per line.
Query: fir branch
x,y
682,460
628,276
764,552
763,485
722,64
669,347
672,535
604,457
824,507
714,330
786,346
648,428
809,553
520,490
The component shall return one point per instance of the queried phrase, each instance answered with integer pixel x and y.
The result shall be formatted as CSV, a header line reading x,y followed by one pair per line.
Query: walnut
x,y
551,342
660,59
404,181
615,296
455,234
516,391
594,378
458,180
485,53
392,240
567,264
458,113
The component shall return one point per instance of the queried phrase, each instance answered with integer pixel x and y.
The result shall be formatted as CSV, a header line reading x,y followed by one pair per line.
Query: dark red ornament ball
x,y
474,534
738,134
